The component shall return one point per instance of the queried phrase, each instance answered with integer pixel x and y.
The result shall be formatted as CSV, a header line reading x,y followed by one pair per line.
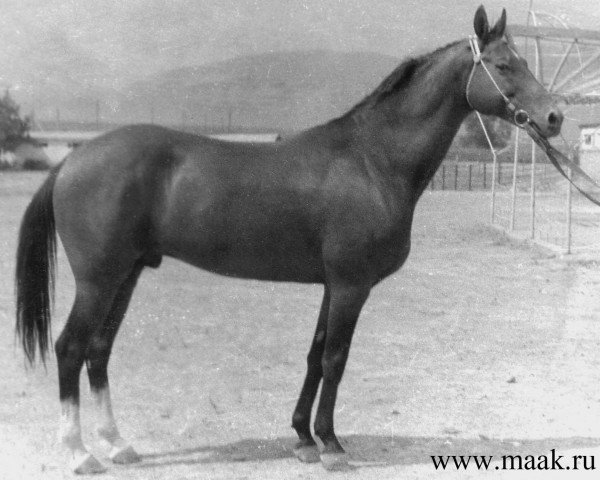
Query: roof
x,y
64,136
248,137
79,136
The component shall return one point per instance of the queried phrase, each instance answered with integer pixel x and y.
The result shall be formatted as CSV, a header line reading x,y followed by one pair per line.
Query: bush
x,y
13,128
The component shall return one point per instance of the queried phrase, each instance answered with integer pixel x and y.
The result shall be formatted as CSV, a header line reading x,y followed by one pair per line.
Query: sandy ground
x,y
479,345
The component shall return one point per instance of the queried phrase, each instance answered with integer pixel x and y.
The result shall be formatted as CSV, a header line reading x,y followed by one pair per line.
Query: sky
x,y
113,42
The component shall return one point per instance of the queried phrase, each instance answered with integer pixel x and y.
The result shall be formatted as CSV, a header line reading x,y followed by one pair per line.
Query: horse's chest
x,y
373,248
388,252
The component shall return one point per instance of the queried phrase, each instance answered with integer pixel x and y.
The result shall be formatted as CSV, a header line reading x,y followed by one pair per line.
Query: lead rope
x,y
562,162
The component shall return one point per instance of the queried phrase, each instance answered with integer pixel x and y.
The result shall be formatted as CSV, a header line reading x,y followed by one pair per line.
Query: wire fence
x,y
453,175
529,200
554,214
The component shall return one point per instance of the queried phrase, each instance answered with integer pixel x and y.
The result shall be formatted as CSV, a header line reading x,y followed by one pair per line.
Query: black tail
x,y
34,276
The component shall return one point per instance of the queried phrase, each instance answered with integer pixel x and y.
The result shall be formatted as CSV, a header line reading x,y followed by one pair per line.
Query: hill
x,y
282,90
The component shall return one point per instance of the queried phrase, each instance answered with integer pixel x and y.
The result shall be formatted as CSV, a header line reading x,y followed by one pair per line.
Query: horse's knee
x,y
333,366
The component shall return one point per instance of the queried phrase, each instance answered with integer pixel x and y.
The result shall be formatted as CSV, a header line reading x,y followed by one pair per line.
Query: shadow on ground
x,y
365,450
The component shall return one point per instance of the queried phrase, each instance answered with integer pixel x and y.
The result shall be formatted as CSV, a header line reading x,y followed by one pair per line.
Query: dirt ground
x,y
479,345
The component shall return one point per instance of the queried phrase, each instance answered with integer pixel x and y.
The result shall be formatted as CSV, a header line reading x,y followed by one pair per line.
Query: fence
x,y
528,199
478,175
545,208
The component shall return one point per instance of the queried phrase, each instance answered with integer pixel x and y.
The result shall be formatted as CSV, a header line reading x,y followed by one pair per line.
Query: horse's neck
x,y
409,133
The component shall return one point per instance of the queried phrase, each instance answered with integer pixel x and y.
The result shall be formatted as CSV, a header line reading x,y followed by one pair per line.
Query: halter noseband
x,y
521,117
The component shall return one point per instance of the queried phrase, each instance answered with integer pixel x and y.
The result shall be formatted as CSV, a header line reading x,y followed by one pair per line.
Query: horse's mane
x,y
401,77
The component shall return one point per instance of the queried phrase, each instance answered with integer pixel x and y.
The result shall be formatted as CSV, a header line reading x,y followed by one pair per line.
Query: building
x,y
589,149
56,145
248,137
50,147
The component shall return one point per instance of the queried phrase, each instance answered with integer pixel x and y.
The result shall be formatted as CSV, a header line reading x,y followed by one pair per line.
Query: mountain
x,y
281,90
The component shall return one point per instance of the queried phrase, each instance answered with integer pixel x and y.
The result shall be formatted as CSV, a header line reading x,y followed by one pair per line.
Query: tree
x,y
498,130
13,128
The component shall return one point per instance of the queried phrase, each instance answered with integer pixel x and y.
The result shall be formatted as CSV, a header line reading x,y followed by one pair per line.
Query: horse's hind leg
x,y
306,448
93,301
97,357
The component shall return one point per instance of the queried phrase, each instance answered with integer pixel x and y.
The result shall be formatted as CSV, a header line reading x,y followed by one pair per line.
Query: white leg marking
x,y
120,450
81,461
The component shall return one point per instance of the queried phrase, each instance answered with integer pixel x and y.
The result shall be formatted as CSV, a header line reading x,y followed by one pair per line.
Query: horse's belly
x,y
248,250
242,263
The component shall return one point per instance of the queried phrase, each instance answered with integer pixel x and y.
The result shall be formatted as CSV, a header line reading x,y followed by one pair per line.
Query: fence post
x,y
470,175
443,177
532,201
569,210
514,185
485,176
493,205
456,176
538,70
495,155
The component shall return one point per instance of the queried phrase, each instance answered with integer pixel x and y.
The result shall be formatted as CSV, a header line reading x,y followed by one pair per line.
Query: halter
x,y
520,116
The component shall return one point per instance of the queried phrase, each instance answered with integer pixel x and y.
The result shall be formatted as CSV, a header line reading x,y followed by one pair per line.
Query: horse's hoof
x,y
87,465
124,455
335,462
307,453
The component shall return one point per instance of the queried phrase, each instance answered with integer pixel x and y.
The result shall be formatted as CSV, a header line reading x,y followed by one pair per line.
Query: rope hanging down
x,y
585,184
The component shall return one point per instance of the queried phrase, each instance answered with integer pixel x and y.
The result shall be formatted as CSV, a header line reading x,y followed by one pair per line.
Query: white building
x,y
589,149
58,144
52,146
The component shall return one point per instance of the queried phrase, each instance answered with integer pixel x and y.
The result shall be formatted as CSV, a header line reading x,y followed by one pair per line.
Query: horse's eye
x,y
503,67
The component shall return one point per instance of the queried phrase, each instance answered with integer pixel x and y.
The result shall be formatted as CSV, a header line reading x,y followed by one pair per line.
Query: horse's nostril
x,y
555,119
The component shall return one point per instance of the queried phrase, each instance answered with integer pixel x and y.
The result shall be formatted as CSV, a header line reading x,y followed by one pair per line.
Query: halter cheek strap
x,y
521,117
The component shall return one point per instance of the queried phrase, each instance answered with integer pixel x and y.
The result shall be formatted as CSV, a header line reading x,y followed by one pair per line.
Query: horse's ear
x,y
510,40
480,22
500,27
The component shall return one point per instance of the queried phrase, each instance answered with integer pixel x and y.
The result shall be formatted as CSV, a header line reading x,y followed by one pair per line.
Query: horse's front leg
x,y
346,302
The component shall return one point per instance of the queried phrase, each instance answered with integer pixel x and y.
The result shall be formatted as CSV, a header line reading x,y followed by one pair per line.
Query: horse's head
x,y
500,83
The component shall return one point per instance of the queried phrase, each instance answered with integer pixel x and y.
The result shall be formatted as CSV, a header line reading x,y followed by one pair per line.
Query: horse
x,y
331,205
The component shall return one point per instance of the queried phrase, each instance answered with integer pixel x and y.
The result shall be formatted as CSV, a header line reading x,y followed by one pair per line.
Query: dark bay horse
x,y
331,205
